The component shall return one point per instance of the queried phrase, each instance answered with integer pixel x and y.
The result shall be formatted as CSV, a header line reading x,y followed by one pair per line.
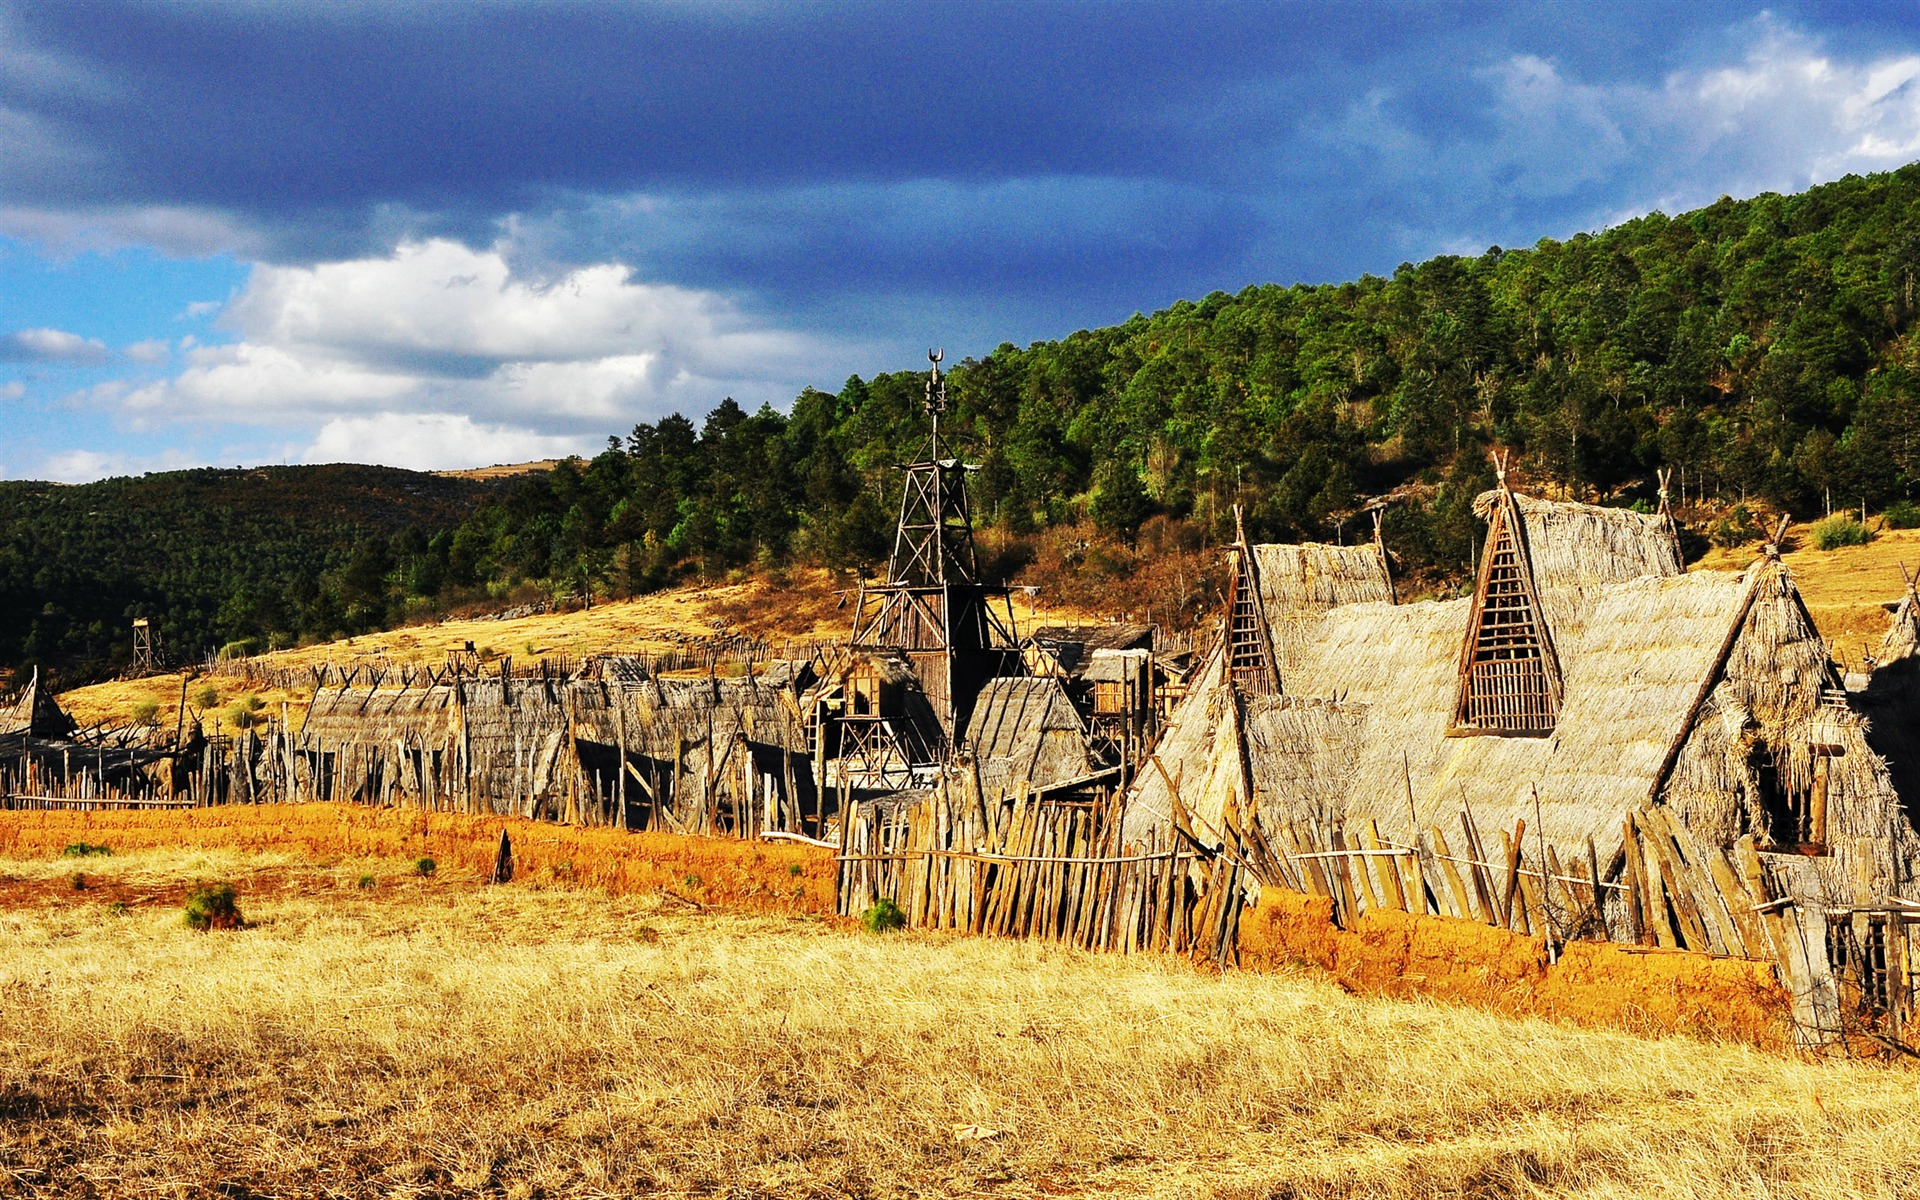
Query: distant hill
x,y
197,552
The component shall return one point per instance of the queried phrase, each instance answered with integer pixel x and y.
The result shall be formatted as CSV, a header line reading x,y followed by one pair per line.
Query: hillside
x,y
1762,349
195,551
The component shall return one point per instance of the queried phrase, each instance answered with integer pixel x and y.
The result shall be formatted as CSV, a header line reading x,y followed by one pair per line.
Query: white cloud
x,y
12,390
1780,114
437,329
51,345
434,442
84,466
155,350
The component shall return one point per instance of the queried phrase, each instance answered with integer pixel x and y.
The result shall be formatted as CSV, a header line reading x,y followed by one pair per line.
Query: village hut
x,y
1026,736
698,755
1585,678
372,744
36,714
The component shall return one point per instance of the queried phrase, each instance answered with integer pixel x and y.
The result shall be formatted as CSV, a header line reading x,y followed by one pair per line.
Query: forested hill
x,y
1764,348
202,551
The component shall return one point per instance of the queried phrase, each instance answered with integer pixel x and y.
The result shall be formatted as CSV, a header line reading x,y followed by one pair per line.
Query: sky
x,y
442,235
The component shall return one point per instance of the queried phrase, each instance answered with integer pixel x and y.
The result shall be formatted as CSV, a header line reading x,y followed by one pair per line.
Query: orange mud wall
x,y
771,876
1593,983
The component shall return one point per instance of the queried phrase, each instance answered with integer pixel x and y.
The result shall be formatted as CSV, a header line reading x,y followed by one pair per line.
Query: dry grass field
x,y
798,606
431,1037
1844,589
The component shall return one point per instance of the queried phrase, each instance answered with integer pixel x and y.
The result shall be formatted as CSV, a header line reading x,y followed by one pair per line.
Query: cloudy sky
x,y
441,235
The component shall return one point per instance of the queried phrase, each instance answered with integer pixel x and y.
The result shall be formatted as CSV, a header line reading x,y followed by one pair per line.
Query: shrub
x,y
206,697
1902,514
145,712
883,916
1841,529
213,907
424,867
79,882
794,869
86,850
367,883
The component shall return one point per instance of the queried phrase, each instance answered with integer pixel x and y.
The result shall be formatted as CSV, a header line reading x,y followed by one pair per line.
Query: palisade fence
x,y
1036,868
1059,871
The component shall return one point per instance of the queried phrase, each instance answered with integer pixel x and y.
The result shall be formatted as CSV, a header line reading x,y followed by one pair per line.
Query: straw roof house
x,y
1026,733
35,713
1585,678
553,746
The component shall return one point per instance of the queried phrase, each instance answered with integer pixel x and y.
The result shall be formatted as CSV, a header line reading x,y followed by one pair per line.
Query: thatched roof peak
x,y
1312,577
36,713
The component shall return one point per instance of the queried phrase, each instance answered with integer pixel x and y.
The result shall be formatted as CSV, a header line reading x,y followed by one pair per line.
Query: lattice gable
x,y
1509,674
1249,640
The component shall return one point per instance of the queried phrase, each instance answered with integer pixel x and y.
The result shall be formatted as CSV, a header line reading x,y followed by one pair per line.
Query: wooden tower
x,y
956,632
144,660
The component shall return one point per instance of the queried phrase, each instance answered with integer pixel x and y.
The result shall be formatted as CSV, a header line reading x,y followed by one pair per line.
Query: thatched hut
x,y
35,713
1026,735
1586,677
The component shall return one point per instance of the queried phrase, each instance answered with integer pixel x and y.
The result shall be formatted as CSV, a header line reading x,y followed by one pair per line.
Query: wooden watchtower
x,y
955,631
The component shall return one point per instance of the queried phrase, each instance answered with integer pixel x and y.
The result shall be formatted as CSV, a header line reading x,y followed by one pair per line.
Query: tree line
x,y
1762,349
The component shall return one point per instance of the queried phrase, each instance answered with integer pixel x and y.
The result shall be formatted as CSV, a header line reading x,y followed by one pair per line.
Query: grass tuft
x,y
86,850
212,907
883,916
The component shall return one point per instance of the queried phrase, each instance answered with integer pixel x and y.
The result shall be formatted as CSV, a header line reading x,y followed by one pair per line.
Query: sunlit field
x,y
372,1032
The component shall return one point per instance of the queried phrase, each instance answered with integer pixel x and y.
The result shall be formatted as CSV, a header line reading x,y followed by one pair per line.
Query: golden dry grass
x,y
433,1038
1845,588
800,606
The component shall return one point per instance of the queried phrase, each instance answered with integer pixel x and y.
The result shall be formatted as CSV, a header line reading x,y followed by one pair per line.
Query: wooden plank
x,y
1733,897
1633,873
1681,884
1476,868
1659,914
1395,890
1511,846
1533,905
1456,887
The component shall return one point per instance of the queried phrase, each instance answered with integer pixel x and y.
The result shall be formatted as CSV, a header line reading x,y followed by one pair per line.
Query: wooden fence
x,y
1037,868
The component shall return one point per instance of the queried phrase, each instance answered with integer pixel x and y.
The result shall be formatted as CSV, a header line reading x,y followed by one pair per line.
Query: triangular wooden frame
x,y
1509,673
1249,649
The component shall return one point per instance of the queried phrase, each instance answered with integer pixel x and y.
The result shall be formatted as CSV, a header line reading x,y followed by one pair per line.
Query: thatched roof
x,y
1314,577
1903,630
1655,669
35,713
1112,635
1026,731
1577,547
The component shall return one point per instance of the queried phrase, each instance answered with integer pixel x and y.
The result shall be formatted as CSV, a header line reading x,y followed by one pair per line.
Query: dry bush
x,y
449,1040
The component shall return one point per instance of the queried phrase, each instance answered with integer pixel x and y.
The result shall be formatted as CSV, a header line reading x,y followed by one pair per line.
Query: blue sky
x,y
442,234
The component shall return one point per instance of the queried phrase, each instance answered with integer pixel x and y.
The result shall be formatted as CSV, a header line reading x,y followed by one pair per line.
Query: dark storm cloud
x,y
1045,161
